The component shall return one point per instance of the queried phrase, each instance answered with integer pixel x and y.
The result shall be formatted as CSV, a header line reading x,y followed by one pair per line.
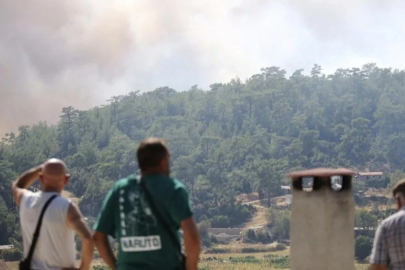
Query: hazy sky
x,y
81,52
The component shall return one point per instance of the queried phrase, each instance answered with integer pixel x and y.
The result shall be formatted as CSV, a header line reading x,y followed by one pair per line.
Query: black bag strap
x,y
160,217
38,229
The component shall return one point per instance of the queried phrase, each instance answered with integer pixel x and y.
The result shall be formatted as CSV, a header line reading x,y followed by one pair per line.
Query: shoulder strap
x,y
37,230
159,216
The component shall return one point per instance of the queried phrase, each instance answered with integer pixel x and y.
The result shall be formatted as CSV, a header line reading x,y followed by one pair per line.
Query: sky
x,y
82,52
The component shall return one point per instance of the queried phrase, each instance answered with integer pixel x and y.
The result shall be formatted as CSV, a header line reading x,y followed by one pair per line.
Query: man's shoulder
x,y
30,193
124,182
30,199
174,184
28,196
41,195
395,219
60,201
178,184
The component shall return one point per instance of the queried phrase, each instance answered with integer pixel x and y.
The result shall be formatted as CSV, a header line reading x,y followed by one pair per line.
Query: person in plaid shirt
x,y
389,242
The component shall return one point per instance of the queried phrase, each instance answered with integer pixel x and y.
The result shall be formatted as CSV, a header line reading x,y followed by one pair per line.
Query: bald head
x,y
54,167
54,174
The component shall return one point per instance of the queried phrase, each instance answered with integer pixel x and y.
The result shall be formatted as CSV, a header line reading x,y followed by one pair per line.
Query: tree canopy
x,y
235,138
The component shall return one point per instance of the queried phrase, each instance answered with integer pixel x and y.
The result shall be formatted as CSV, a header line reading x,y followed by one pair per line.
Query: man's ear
x,y
165,162
41,178
67,178
162,164
398,202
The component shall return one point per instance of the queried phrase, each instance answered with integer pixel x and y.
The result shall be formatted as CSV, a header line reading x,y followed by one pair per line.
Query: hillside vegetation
x,y
237,137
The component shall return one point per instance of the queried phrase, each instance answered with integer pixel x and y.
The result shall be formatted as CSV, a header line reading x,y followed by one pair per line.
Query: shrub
x,y
247,259
359,200
217,250
206,237
246,249
220,222
254,250
209,259
362,247
279,223
281,262
12,255
278,261
380,182
249,236
280,247
364,218
263,237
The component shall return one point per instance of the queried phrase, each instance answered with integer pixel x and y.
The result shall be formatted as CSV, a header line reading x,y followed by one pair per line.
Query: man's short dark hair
x,y
151,152
399,188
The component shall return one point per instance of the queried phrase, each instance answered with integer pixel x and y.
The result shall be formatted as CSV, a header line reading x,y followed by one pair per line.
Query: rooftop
x,y
6,247
370,173
321,172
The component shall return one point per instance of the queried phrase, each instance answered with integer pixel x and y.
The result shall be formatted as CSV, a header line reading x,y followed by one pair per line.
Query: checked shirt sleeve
x,y
379,254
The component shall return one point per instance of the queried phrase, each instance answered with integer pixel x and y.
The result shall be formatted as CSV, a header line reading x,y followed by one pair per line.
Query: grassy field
x,y
233,261
14,265
239,261
235,256
253,261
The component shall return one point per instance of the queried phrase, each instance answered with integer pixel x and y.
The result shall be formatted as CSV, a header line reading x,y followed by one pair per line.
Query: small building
x,y
287,194
362,176
6,247
286,190
368,231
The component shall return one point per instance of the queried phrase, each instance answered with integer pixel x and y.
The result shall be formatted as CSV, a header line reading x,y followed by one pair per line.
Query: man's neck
x,y
51,189
151,173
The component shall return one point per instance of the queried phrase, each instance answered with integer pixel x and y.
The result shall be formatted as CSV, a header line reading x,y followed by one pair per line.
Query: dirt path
x,y
253,202
3,266
259,219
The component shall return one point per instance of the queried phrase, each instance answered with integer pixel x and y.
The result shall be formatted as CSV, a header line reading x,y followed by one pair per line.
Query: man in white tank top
x,y
56,247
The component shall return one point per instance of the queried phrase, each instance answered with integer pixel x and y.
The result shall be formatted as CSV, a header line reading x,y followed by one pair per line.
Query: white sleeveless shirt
x,y
56,246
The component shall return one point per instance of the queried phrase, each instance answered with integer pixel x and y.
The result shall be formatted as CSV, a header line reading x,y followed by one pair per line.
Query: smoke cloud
x,y
80,53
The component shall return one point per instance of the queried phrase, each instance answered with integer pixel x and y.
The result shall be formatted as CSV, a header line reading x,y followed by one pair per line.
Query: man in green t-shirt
x,y
145,213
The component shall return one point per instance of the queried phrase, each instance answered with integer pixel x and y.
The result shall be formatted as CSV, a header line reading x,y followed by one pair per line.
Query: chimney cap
x,y
321,172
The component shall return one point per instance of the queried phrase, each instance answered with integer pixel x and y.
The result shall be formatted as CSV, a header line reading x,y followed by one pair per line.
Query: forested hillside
x,y
237,137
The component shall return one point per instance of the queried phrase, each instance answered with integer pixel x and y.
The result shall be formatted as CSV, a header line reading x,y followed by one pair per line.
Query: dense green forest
x,y
236,137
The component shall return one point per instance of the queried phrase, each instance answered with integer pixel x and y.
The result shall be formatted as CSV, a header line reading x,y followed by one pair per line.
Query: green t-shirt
x,y
143,241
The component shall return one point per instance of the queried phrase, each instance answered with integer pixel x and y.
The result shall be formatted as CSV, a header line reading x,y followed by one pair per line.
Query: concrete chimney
x,y
322,220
